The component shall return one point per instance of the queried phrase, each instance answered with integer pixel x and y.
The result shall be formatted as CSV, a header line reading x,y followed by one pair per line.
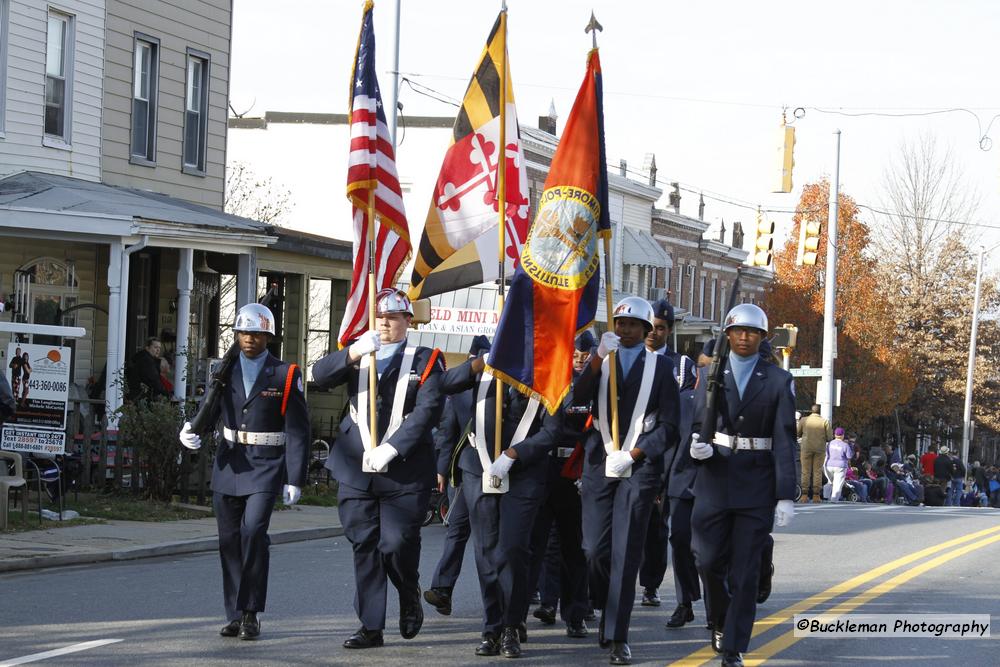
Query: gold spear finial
x,y
593,27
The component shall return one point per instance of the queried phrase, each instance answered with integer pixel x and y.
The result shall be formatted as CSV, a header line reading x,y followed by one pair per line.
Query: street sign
x,y
806,372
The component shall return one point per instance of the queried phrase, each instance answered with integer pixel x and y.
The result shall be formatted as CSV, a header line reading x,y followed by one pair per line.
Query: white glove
x,y
189,438
620,461
609,343
368,342
290,494
379,457
700,450
784,512
501,467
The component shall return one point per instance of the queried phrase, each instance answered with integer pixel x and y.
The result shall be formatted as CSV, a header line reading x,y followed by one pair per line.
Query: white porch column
x,y
185,281
246,279
116,316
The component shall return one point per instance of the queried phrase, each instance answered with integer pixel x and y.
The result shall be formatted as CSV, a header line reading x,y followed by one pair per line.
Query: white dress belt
x,y
563,452
256,438
736,442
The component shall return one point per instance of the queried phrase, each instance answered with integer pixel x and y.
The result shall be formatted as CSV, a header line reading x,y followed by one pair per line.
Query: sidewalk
x,y
127,540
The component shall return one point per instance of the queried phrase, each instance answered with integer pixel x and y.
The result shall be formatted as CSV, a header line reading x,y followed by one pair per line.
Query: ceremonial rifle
x,y
716,371
208,410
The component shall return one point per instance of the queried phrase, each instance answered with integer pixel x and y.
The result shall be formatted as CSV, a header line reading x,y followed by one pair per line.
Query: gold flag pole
x,y
502,218
372,371
593,27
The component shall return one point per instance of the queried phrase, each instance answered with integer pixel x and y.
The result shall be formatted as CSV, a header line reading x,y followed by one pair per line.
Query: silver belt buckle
x,y
241,437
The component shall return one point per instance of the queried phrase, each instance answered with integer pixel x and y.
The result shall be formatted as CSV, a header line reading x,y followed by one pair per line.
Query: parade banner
x,y
462,321
458,247
555,289
39,380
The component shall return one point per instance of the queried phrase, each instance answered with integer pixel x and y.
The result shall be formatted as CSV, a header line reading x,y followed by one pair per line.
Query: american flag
x,y
371,164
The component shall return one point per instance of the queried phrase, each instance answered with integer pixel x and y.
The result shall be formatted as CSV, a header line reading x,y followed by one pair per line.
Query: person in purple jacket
x,y
838,458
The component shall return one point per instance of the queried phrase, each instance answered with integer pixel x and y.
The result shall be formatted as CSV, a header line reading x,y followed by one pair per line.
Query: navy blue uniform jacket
x,y
744,478
241,470
542,436
413,468
662,405
681,468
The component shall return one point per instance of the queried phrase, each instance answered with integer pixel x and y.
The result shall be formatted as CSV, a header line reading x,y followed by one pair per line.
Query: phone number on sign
x,y
47,385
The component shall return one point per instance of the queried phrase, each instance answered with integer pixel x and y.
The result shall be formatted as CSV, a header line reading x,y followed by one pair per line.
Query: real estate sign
x,y
39,379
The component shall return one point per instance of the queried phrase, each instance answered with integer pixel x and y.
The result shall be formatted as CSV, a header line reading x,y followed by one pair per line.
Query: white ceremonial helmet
x,y
636,308
747,315
392,300
254,317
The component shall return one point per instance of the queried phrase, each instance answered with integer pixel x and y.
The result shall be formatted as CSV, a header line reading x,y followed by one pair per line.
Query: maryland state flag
x,y
555,289
458,247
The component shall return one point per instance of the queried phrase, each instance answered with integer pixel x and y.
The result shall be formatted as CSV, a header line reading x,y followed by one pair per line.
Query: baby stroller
x,y
847,492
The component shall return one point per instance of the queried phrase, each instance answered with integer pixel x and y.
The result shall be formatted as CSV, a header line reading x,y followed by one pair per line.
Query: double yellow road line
x,y
958,547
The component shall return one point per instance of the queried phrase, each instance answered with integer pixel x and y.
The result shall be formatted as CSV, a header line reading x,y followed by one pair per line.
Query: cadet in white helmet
x,y
620,486
745,481
385,477
264,452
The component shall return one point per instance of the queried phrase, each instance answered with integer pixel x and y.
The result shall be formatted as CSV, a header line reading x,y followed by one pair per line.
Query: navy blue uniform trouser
x,y
561,510
654,555
686,583
728,545
384,531
244,549
450,565
615,519
502,542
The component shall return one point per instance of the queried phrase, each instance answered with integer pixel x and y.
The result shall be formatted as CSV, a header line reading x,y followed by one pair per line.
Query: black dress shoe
x,y
650,598
411,616
535,599
732,659
440,599
230,629
490,645
620,654
365,638
683,614
510,647
717,641
577,630
249,625
590,616
764,589
522,633
601,641
546,614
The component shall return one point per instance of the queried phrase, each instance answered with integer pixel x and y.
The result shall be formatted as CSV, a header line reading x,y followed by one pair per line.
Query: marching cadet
x,y
457,416
620,486
654,558
501,522
745,482
385,478
562,509
265,452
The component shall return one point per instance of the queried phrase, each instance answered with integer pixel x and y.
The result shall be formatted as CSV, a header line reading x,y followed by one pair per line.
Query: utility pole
x,y
967,415
394,108
826,401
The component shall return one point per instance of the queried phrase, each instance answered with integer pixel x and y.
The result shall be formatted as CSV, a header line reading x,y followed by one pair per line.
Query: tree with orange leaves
x,y
875,377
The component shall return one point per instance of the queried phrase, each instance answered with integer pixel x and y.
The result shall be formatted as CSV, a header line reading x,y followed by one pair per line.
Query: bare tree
x,y
251,196
926,269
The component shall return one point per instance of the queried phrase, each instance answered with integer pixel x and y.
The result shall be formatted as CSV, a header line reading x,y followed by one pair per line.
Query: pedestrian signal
x,y
763,242
808,242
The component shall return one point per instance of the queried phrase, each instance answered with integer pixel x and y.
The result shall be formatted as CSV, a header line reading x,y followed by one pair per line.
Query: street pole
x,y
829,308
394,107
967,415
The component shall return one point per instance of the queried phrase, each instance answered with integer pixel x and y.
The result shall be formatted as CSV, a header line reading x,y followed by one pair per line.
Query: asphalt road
x,y
168,611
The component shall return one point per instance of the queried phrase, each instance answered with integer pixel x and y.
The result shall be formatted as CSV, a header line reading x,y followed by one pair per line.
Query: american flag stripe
x,y
371,165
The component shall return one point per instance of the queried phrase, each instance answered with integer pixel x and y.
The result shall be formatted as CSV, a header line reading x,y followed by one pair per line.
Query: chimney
x,y
722,231
548,123
623,168
649,166
737,234
701,207
675,197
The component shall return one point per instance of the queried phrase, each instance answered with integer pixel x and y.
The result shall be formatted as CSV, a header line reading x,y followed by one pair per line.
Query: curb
x,y
157,550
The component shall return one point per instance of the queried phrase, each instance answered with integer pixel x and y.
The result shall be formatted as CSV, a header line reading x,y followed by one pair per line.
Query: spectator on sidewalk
x,y
838,458
942,470
860,486
7,403
957,480
814,432
927,461
143,372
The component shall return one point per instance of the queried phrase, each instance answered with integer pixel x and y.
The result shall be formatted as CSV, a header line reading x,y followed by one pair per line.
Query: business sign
x,y
39,379
462,321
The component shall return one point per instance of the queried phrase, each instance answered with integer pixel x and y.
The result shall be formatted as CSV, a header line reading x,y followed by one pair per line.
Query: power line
x,y
985,143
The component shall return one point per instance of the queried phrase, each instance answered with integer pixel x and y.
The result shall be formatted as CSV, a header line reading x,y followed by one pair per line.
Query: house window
x,y
722,304
196,111
3,61
701,297
145,79
58,79
714,292
690,271
320,326
680,286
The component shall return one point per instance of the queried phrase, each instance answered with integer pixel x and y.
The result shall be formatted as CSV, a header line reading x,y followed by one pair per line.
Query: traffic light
x,y
763,242
808,242
786,158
